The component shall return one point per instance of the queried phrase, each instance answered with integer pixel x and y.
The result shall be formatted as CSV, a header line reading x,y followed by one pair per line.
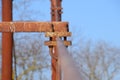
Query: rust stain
x,y
7,39
55,16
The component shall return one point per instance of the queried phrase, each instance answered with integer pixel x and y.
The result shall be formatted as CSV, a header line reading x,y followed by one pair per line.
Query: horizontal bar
x,y
58,34
32,26
54,43
60,27
56,8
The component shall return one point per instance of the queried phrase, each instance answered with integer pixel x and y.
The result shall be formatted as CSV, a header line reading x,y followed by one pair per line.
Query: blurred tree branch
x,y
99,62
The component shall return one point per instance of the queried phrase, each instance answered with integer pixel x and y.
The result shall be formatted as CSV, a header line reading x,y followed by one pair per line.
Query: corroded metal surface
x,y
32,26
54,29
7,41
58,34
60,27
55,16
25,27
54,43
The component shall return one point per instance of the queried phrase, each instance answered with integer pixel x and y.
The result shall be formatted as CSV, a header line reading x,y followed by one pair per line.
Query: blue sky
x,y
91,19
94,19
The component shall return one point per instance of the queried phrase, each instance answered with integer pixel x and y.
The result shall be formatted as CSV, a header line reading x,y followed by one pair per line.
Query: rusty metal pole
x,y
59,10
7,42
56,10
55,16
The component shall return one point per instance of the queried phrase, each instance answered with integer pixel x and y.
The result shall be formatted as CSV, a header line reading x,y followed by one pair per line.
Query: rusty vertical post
x,y
59,10
56,10
7,42
55,16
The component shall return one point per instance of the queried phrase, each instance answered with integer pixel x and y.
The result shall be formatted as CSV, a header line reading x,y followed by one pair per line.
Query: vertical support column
x,y
53,10
59,10
7,42
55,16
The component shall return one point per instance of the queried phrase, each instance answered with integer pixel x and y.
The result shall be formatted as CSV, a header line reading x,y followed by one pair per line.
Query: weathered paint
x,y
7,42
55,16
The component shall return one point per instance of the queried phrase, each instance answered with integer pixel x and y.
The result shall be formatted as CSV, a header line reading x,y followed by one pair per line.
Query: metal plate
x,y
54,43
57,34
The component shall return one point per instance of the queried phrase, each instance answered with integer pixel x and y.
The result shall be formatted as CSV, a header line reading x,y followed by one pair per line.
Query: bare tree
x,y
95,63
29,10
31,58
100,62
